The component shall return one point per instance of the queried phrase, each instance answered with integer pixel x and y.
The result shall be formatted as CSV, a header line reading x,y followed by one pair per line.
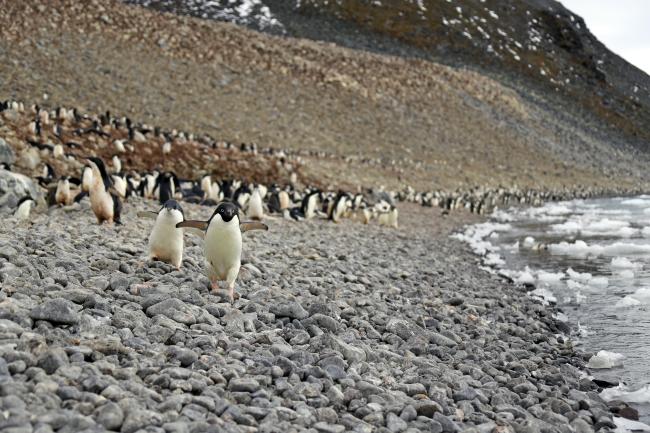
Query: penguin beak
x,y
230,214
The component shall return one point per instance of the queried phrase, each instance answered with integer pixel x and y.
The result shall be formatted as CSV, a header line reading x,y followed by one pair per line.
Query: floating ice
x,y
550,277
582,277
574,285
627,302
605,359
529,242
642,295
636,202
626,274
581,249
604,227
624,263
624,425
543,295
598,282
493,259
621,392
525,277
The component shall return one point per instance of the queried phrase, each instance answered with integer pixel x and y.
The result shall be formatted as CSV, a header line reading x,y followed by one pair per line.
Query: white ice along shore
x,y
622,258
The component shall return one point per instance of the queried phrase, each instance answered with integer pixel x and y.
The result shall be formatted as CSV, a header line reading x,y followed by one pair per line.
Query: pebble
x,y
382,350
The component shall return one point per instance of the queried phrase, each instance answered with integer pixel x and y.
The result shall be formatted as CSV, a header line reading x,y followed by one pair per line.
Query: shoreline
x,y
339,327
478,238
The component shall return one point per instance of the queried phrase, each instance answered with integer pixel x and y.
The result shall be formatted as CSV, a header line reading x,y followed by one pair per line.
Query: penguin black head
x,y
173,205
102,170
226,210
24,199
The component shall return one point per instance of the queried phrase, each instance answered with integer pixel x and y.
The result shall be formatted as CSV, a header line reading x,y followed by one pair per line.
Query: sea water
x,y
591,258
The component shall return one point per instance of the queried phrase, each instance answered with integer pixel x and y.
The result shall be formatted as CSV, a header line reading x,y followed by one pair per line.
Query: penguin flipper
x,y
200,225
245,226
147,214
80,196
194,231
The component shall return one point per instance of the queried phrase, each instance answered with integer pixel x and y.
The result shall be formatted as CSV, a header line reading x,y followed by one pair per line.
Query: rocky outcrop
x,y
14,186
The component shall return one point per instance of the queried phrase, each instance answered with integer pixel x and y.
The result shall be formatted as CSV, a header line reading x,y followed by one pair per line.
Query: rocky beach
x,y
340,112
339,327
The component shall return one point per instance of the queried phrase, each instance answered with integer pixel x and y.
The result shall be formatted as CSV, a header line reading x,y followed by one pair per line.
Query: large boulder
x,y
6,153
14,186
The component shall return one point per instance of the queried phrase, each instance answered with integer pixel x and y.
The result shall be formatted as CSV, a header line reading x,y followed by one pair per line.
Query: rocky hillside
x,y
526,43
388,119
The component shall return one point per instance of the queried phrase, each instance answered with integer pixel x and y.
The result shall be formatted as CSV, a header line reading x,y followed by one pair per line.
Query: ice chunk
x,y
583,277
605,359
626,274
529,242
574,285
627,302
624,425
581,249
525,277
636,202
599,282
493,259
642,295
550,277
624,263
621,392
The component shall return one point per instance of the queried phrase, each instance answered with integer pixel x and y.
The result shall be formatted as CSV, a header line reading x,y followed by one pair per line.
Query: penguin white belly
x,y
166,241
223,246
22,213
87,179
255,209
101,203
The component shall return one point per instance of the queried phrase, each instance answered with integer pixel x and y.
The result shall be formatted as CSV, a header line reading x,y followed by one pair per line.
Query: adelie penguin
x,y
223,243
166,240
23,208
105,204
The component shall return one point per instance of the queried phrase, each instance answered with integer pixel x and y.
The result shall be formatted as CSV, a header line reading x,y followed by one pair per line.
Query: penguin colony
x,y
63,133
106,187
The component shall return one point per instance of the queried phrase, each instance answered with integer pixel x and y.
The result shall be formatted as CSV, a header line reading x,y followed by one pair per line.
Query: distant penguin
x,y
63,196
148,185
119,146
223,243
165,185
339,207
389,218
117,164
241,196
255,206
119,185
166,148
310,204
166,240
57,152
206,185
105,205
285,201
23,208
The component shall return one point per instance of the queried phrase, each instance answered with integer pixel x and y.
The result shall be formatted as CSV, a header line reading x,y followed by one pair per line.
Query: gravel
x,y
95,337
